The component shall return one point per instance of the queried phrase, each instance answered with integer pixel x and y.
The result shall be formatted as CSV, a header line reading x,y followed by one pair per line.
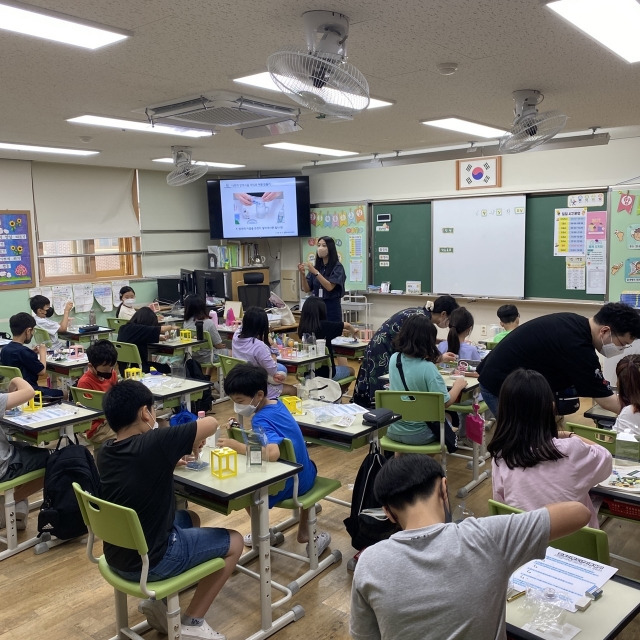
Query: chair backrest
x,y
116,323
586,542
111,522
127,353
604,437
491,345
254,295
414,406
87,397
10,372
227,363
287,452
42,336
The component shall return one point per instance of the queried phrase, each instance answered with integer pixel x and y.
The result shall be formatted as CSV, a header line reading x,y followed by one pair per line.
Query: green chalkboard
x,y
545,274
405,240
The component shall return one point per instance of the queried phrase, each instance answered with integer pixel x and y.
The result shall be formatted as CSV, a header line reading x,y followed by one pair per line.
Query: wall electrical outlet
x,y
483,330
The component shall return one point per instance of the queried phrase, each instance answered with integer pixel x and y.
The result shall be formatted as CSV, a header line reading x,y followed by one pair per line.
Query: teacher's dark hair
x,y
332,254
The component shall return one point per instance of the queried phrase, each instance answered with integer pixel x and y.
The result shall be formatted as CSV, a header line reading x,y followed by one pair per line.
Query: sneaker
x,y
201,632
323,540
155,611
22,513
273,540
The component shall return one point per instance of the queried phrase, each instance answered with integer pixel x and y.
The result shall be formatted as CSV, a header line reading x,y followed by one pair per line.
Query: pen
x,y
515,596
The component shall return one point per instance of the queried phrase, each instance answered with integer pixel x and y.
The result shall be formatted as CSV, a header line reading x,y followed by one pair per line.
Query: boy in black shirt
x,y
136,471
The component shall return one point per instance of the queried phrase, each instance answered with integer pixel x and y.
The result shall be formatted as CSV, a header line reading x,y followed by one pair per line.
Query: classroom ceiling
x,y
179,49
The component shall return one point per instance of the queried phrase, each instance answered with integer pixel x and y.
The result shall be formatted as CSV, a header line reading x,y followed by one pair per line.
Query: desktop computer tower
x,y
168,289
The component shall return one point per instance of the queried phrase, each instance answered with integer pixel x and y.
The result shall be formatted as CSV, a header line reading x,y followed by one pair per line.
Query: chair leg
x,y
11,519
173,617
313,545
122,613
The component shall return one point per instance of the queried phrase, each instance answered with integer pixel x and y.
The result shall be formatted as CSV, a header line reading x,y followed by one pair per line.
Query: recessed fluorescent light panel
x,y
290,146
263,81
59,27
464,126
220,165
133,125
36,149
613,23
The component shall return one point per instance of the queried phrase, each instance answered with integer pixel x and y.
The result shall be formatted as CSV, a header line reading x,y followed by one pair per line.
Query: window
x,y
88,260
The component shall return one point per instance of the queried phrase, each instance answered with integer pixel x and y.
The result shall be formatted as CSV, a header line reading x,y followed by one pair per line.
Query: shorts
x,y
187,547
25,459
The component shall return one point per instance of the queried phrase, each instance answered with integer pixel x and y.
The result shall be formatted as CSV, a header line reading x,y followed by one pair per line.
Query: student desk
x,y
31,426
604,419
68,367
247,489
350,348
86,337
604,619
305,362
166,388
468,392
175,346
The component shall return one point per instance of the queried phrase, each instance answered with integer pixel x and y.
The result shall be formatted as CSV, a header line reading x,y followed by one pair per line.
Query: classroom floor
x,y
61,596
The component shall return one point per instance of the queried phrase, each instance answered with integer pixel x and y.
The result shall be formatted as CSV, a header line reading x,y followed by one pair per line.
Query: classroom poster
x,y
624,245
569,234
16,252
347,225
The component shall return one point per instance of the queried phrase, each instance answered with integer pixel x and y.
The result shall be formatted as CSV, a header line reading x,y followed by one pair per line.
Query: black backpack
x,y
60,513
194,371
366,530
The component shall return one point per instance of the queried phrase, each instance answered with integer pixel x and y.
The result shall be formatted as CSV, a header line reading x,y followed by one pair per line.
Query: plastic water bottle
x,y
92,316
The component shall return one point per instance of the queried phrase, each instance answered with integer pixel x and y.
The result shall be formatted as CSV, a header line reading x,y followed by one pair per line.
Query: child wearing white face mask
x,y
246,385
126,309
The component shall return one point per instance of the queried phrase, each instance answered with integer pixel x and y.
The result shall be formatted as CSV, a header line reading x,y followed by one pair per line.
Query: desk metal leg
x,y
185,399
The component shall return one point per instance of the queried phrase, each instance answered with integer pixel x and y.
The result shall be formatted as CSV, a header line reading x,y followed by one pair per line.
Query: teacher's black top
x,y
336,275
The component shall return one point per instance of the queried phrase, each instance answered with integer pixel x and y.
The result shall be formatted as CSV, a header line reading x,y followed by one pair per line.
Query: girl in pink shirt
x,y
533,463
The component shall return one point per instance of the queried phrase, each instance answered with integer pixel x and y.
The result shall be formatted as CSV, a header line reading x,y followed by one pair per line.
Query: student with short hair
x,y
42,312
100,375
535,464
509,320
195,308
126,309
428,580
136,471
246,385
31,362
460,328
18,458
628,374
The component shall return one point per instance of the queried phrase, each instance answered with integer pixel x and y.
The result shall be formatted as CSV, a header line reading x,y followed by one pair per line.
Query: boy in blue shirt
x,y
246,385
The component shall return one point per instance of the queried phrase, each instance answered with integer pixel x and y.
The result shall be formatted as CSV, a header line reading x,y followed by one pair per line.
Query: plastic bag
x,y
474,426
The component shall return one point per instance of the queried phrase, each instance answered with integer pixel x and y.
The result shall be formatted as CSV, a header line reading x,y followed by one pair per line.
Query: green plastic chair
x,y
88,397
121,526
604,437
227,363
116,323
415,406
41,336
127,353
10,372
490,345
586,542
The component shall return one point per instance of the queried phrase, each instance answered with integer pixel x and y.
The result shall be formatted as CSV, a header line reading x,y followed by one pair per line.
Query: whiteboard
x,y
478,246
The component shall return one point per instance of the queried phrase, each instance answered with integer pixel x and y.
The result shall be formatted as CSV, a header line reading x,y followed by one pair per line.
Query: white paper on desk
x,y
336,410
62,293
568,632
102,294
83,296
566,572
41,415
344,340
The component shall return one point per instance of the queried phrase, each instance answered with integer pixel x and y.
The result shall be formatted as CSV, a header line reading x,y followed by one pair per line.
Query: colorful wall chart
x,y
624,254
347,225
16,252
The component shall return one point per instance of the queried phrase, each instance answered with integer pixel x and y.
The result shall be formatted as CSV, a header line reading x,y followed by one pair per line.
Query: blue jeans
x,y
188,546
281,368
491,400
341,372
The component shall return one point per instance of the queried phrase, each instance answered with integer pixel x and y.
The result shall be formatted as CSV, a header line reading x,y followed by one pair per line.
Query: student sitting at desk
x,y
195,308
533,463
31,362
100,376
413,368
142,330
17,458
42,311
628,374
460,328
313,320
246,385
509,320
127,299
426,580
136,471
375,362
251,343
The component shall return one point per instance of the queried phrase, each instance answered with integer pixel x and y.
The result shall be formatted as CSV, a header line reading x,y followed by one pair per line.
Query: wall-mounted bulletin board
x,y
16,251
624,245
347,225
550,270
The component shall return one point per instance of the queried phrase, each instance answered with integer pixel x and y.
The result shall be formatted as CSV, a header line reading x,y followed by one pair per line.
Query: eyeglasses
x,y
619,339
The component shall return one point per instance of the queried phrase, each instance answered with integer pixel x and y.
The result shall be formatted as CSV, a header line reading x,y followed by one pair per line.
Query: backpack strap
x,y
401,371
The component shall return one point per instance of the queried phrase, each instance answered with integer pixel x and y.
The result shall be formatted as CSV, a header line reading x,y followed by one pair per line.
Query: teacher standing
x,y
326,278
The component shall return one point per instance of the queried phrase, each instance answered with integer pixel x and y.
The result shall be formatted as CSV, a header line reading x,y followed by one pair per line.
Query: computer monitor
x,y
209,284
187,284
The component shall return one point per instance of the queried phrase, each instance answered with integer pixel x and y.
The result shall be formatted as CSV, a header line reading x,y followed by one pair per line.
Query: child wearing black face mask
x,y
100,376
42,311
